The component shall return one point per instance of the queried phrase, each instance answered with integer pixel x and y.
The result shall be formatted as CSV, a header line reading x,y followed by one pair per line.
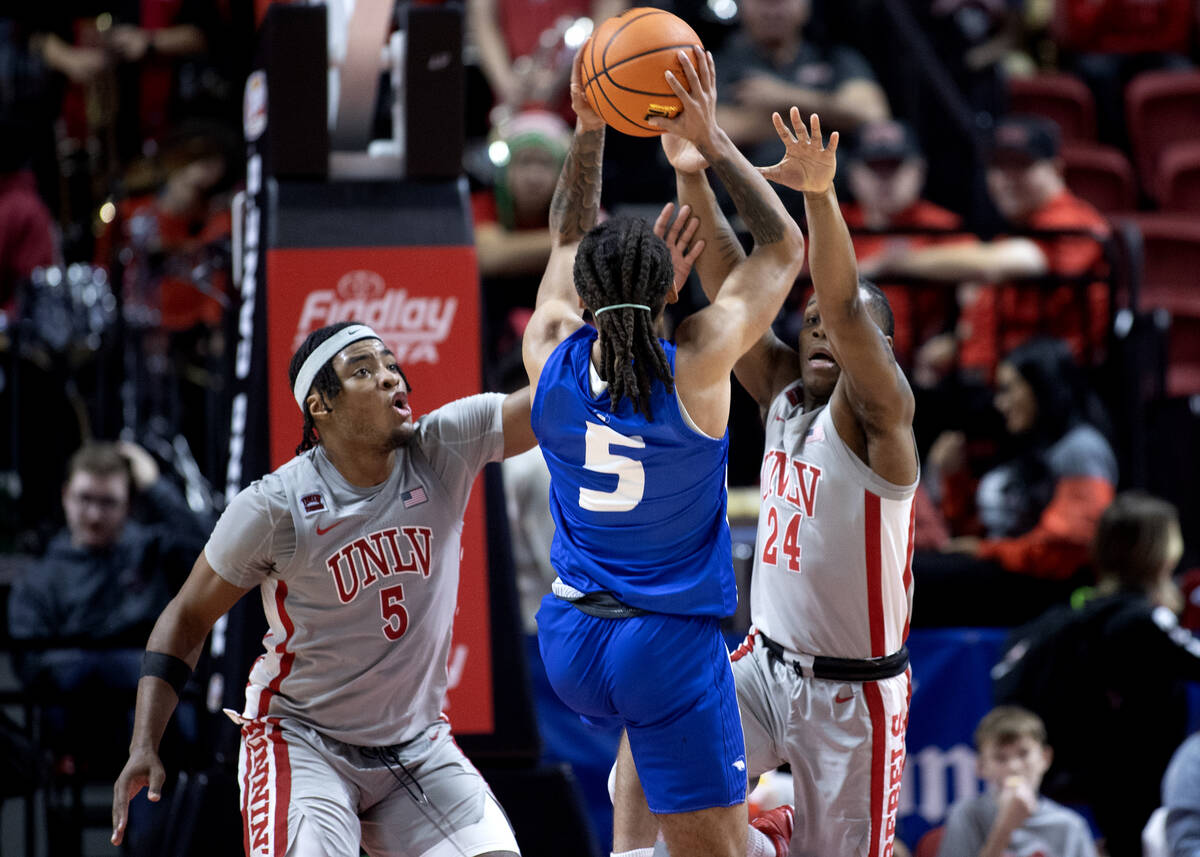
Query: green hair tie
x,y
597,312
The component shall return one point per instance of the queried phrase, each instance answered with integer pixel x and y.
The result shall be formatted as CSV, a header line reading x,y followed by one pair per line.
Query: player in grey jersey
x,y
354,546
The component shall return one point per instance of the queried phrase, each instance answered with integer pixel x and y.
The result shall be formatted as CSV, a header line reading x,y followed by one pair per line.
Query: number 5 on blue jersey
x,y
599,458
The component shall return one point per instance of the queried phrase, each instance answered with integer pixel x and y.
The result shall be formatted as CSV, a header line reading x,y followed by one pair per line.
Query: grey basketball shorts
x,y
302,790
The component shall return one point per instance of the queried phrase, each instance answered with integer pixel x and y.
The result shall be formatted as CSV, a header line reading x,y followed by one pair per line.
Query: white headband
x,y
322,354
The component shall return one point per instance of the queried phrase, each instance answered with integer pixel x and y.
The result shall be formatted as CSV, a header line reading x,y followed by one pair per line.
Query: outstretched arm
x,y
749,298
573,211
769,365
871,386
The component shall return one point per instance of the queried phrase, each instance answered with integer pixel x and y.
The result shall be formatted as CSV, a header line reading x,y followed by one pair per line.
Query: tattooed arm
x,y
576,201
573,211
770,364
746,301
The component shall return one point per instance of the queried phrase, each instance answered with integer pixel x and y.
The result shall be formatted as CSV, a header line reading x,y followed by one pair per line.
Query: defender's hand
x,y
678,237
808,165
682,155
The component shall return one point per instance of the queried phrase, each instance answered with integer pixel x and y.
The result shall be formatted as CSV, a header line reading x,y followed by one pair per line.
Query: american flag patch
x,y
415,497
815,434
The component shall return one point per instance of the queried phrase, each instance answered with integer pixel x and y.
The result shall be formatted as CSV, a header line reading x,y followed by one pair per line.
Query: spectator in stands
x,y
1024,177
98,589
1181,800
1023,530
1011,817
522,52
177,238
886,174
512,233
512,220
1117,666
173,249
146,49
1108,42
768,65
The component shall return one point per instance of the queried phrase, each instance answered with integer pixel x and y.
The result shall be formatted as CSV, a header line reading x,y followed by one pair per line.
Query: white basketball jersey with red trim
x,y
832,565
360,615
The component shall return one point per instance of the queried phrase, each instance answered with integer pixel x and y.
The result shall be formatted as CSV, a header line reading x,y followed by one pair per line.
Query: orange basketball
x,y
623,67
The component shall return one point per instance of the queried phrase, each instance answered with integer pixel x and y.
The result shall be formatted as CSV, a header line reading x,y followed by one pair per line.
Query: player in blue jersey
x,y
634,431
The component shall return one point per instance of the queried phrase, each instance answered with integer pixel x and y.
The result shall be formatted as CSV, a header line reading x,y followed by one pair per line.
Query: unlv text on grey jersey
x,y
362,561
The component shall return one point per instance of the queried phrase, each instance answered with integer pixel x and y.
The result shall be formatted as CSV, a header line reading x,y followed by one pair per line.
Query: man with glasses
x,y
85,608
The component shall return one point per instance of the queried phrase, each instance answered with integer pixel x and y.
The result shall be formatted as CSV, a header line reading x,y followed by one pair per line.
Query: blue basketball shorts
x,y
668,681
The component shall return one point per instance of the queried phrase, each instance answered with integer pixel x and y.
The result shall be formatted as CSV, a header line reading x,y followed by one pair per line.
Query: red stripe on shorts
x,y
745,648
879,763
286,657
246,788
283,791
874,574
908,577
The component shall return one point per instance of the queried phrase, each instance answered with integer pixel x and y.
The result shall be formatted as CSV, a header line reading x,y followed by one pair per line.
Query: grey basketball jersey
x,y
359,585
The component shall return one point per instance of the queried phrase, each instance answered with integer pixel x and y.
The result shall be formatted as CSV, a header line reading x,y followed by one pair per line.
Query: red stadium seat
x,y
1162,108
1179,177
1100,174
930,841
1063,98
1171,261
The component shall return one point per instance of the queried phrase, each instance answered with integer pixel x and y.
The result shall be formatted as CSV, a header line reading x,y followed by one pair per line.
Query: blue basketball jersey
x,y
638,504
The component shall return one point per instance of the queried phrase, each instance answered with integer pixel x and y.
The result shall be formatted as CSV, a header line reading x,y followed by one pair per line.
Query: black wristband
x,y
174,671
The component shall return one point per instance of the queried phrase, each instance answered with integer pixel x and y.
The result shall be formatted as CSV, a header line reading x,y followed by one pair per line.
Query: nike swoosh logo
x,y
321,532
843,698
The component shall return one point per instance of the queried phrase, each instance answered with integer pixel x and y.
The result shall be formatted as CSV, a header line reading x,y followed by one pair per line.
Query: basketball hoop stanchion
x,y
316,246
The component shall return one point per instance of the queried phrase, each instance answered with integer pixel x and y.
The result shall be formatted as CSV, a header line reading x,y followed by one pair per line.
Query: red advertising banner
x,y
424,303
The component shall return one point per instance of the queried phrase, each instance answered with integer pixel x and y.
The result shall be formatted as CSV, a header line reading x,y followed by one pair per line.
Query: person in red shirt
x,y
1020,523
888,220
174,250
522,52
176,270
27,232
1005,297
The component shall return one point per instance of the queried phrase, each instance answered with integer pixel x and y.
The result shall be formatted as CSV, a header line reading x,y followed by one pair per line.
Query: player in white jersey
x,y
823,681
354,546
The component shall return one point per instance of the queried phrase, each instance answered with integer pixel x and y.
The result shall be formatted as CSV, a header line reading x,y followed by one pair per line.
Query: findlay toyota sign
x,y
412,323
424,302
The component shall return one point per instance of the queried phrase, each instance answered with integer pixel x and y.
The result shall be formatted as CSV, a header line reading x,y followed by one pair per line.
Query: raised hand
x,y
808,165
678,236
683,155
697,121
588,119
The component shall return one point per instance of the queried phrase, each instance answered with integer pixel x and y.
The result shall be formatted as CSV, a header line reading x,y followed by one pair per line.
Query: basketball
x,y
623,65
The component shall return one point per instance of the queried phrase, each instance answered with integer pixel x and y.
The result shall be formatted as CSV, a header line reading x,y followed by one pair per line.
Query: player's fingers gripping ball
x,y
623,65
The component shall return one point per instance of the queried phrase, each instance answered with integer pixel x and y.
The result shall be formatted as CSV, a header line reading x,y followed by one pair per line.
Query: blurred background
x,y
188,187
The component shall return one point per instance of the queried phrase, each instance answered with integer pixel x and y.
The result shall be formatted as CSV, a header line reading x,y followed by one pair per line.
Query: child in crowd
x,y
1011,818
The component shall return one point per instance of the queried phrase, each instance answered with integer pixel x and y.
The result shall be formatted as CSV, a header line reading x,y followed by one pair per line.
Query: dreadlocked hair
x,y
325,383
623,261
